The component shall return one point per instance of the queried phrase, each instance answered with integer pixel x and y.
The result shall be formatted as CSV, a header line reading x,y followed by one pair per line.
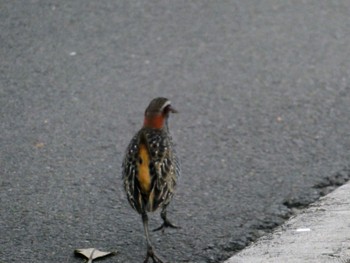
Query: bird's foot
x,y
165,224
153,256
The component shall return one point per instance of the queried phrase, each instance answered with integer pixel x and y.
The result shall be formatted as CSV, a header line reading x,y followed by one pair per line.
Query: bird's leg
x,y
166,222
150,251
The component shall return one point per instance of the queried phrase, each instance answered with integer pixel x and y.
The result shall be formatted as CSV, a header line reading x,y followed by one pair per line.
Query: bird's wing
x,y
129,172
163,166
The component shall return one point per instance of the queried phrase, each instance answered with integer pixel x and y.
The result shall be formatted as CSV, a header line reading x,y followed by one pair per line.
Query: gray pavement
x,y
319,234
263,91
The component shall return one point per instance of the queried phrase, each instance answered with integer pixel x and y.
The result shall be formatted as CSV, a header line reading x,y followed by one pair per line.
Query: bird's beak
x,y
172,110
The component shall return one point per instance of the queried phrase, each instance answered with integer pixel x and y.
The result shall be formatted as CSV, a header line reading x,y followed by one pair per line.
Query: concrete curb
x,y
320,233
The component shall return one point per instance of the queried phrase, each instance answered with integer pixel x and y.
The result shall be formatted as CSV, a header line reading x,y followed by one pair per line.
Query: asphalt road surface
x,y
263,91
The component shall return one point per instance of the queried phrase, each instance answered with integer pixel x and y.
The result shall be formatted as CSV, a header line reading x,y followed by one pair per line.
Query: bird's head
x,y
157,113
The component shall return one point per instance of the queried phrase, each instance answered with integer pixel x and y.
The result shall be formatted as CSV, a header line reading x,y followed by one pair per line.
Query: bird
x,y
150,168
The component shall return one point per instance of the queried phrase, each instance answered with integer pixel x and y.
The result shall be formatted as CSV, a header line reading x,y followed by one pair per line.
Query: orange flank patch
x,y
144,176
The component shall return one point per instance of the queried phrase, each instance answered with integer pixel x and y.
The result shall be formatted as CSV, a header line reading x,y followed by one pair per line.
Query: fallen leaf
x,y
92,253
39,145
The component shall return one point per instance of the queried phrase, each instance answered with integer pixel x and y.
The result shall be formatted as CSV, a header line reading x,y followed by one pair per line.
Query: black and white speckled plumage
x,y
164,169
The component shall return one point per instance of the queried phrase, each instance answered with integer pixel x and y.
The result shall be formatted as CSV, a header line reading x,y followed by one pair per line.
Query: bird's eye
x,y
167,109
